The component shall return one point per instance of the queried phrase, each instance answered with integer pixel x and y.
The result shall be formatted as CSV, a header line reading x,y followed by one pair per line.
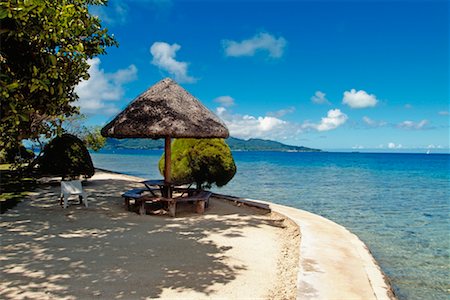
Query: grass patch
x,y
9,200
5,167
13,187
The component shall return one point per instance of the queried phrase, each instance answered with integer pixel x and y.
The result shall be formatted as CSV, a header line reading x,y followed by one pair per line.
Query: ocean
x,y
398,204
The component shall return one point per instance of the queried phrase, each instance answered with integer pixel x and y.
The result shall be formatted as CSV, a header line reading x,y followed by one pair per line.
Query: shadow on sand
x,y
107,252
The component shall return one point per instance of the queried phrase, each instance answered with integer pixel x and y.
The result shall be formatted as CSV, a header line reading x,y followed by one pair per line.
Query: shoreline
x,y
312,281
310,277
230,247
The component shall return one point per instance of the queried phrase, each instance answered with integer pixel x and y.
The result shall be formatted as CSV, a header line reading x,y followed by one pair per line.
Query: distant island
x,y
234,143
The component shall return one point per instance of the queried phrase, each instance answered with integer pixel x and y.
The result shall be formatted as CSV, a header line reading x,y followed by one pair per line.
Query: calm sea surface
x,y
398,204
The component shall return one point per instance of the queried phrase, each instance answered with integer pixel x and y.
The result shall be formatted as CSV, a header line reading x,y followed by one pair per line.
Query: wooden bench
x,y
139,198
134,193
201,200
201,196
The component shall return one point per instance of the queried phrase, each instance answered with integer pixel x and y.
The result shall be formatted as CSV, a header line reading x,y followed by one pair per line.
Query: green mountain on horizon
x,y
234,143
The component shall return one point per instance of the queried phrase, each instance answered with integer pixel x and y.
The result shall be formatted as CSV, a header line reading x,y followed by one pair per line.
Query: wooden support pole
x,y
127,203
167,165
142,207
172,206
200,206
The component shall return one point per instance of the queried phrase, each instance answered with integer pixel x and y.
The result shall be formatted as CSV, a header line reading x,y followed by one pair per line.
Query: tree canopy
x,y
203,161
44,48
90,135
66,156
11,155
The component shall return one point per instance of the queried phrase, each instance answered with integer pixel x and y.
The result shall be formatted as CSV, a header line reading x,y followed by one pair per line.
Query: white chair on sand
x,y
72,187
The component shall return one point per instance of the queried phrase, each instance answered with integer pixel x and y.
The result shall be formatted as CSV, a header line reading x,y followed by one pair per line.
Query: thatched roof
x,y
166,109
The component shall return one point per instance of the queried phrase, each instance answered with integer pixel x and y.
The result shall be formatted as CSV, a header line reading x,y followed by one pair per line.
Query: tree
x,y
93,139
203,161
66,156
19,155
90,135
44,48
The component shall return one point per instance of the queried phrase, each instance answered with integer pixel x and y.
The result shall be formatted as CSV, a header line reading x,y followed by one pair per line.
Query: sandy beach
x,y
233,251
106,252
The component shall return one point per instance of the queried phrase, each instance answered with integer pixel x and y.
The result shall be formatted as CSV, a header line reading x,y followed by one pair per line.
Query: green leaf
x,y
45,62
52,60
12,86
34,87
3,13
24,118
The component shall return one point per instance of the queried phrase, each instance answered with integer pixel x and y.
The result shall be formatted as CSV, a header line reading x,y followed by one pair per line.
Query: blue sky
x,y
324,74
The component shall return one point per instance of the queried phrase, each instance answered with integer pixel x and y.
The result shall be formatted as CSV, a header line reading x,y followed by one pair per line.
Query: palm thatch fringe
x,y
166,110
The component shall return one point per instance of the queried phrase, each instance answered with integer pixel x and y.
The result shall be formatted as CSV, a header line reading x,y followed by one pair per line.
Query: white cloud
x,y
97,94
394,146
319,98
247,126
369,121
408,106
359,99
221,110
272,127
443,113
226,101
333,120
282,112
373,123
413,125
358,147
432,146
260,42
268,123
164,58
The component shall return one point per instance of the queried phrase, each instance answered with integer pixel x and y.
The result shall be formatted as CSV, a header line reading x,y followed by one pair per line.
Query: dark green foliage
x,y
45,45
203,161
66,156
90,135
93,139
14,187
12,154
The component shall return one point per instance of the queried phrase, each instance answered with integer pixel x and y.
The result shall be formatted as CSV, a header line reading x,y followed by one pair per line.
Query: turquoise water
x,y
398,204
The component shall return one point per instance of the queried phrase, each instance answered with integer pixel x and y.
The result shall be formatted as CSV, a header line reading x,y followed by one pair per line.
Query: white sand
x,y
334,263
105,252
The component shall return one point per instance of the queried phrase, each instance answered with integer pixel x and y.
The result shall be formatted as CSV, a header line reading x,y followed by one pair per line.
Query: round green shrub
x,y
66,156
203,161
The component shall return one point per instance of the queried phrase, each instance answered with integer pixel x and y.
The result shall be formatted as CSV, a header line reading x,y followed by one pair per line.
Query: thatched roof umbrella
x,y
165,110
